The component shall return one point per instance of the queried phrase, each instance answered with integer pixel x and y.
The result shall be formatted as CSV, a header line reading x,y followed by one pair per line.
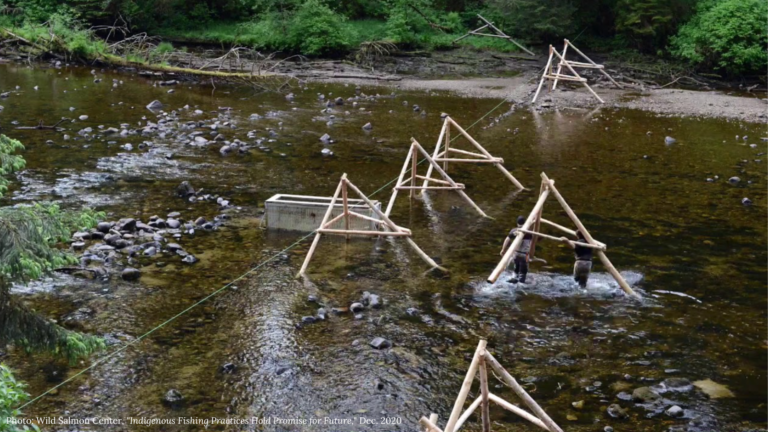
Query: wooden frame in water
x,y
480,362
391,230
443,149
547,188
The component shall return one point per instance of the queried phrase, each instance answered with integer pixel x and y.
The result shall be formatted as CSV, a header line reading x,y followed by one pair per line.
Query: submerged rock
x,y
669,140
674,411
380,343
645,394
155,105
367,126
130,274
713,390
185,190
356,307
173,398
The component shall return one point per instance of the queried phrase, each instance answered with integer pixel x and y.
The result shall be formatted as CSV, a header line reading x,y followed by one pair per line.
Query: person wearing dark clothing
x,y
521,254
583,265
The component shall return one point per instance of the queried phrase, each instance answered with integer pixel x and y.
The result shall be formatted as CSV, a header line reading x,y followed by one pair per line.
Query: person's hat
x,y
520,220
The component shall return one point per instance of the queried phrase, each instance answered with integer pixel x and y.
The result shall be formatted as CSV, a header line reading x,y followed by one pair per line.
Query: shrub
x,y
316,29
11,394
729,36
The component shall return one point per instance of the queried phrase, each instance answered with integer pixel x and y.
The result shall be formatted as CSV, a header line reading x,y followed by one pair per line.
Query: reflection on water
x,y
671,233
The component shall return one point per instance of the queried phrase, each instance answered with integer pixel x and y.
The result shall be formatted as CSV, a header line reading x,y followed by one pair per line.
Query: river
x,y
691,249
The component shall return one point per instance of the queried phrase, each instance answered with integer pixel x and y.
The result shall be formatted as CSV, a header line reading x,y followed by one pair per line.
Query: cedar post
x,y
484,408
465,387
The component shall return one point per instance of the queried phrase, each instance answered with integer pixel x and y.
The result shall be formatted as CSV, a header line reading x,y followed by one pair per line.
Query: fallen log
x,y
41,126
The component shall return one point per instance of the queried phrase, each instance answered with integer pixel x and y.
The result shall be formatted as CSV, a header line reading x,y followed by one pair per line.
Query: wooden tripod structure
x,y
590,65
498,34
410,183
535,220
480,362
326,226
549,75
443,152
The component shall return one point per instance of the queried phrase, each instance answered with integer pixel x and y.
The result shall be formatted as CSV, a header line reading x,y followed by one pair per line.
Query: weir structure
x,y
497,34
347,215
479,366
535,220
570,64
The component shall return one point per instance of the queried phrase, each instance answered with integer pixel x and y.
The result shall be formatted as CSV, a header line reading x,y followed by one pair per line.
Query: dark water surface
x,y
668,230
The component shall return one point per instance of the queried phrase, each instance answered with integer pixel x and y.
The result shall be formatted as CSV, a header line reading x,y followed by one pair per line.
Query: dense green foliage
x,y
28,238
11,395
728,35
724,35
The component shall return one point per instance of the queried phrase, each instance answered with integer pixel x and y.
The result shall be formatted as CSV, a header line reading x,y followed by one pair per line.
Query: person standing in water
x,y
583,265
521,254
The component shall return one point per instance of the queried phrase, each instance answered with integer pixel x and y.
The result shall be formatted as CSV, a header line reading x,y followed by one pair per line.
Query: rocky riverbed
x,y
369,334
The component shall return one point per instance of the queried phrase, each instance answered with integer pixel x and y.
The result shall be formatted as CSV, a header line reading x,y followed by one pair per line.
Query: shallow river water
x,y
691,249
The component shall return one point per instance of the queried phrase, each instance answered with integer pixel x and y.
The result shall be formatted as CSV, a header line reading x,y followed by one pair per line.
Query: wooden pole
x,y
590,60
437,150
391,202
433,418
560,227
560,65
447,145
345,205
522,413
449,179
604,259
325,219
588,245
428,425
414,163
505,260
537,226
544,75
484,410
485,152
490,24
465,416
522,394
347,233
465,386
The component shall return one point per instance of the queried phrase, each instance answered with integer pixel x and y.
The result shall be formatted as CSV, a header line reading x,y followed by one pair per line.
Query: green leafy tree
x,y
28,238
533,19
729,35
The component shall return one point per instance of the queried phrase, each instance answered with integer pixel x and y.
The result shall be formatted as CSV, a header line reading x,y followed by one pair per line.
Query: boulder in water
x,y
185,190
130,274
155,105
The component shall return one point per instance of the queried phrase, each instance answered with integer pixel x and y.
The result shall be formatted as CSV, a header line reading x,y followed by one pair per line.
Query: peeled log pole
x,y
522,394
325,219
428,425
604,259
522,413
464,417
465,386
519,238
485,415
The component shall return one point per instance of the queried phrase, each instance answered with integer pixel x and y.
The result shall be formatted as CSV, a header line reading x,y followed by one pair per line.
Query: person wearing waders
x,y
583,265
521,254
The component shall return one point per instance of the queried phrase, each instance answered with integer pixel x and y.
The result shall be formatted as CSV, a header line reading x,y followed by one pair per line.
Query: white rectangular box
x,y
305,213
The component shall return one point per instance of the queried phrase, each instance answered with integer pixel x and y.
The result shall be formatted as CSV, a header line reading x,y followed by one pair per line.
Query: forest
x,y
724,37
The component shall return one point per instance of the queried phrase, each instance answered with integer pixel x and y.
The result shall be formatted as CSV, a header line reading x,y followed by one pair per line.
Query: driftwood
x,y
41,126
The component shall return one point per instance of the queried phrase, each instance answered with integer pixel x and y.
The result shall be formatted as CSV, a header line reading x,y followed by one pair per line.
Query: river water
x,y
688,246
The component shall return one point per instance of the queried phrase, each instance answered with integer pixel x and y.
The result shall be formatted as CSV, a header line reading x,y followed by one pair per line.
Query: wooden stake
x,y
465,416
568,65
437,151
560,227
447,146
428,425
537,226
544,75
560,65
433,418
465,386
604,259
507,258
414,162
490,24
346,205
325,219
522,413
399,182
522,394
484,410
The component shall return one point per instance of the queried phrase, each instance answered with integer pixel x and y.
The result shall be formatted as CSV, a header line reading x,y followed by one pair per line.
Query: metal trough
x,y
304,213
